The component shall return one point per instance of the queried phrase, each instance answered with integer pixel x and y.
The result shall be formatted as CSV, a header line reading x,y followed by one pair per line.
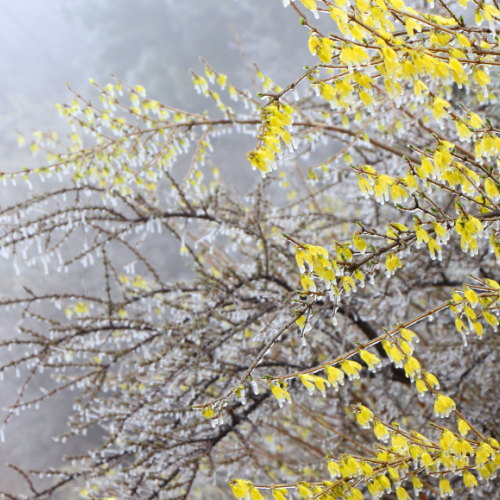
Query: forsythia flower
x,y
364,416
426,460
351,368
321,47
490,318
359,243
442,234
307,283
421,386
370,359
412,367
402,494
463,427
421,234
301,321
417,484
443,405
240,487
399,443
279,494
255,494
335,376
208,412
311,381
408,335
391,264
469,480
432,380
304,490
438,107
280,394
380,431
333,468
447,440
444,486
433,248
471,296
491,189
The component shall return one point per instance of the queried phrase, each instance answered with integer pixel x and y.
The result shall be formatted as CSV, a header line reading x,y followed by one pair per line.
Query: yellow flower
x,y
398,193
313,381
396,356
490,318
421,234
384,482
392,262
433,248
255,494
447,440
364,416
327,91
426,169
469,480
367,470
417,484
471,296
412,367
370,359
443,405
359,243
310,4
420,88
469,312
458,72
348,282
402,494
432,380
421,386
482,78
442,234
490,11
304,490
279,494
438,108
301,322
459,325
333,468
462,447
351,368
444,486
399,443
307,283
280,394
335,376
491,189
478,327
208,412
349,467
240,487
475,121
426,460
463,130
408,335
321,47
380,431
463,427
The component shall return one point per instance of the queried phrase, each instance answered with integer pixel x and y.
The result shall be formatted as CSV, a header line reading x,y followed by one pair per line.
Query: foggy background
x,y
46,43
